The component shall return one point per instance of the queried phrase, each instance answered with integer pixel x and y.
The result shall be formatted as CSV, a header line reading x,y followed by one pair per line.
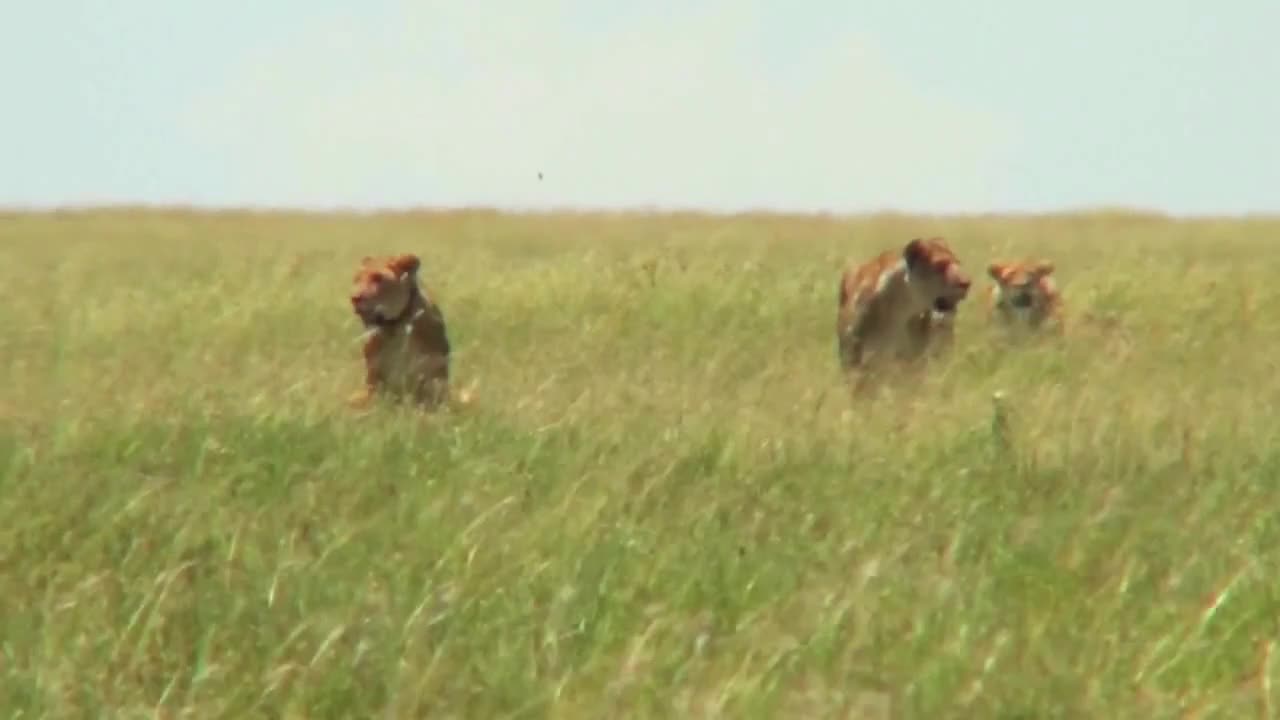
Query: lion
x,y
1024,295
901,304
406,346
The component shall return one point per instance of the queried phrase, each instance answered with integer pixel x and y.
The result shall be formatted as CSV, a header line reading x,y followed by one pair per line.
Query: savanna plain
x,y
662,501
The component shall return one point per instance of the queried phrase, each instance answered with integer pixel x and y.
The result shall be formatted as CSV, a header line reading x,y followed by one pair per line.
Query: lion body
x,y
899,305
406,349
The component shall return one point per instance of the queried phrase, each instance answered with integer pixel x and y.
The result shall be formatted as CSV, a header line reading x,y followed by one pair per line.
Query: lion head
x,y
1020,284
385,288
934,274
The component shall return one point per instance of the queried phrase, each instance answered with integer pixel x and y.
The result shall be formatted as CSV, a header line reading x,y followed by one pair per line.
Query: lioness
x,y
899,304
1024,294
406,348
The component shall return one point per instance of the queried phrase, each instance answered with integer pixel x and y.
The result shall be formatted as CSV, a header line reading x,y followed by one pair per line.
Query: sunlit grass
x,y
663,503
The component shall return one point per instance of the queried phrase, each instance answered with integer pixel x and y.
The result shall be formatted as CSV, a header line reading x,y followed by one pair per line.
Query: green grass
x,y
663,503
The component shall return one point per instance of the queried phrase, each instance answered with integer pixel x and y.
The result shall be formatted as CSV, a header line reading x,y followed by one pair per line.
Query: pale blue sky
x,y
947,105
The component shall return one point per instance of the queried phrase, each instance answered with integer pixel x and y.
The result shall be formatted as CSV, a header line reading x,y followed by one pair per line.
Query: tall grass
x,y
663,503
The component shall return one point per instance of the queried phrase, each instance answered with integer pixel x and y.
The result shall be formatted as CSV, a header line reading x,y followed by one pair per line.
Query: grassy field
x,y
662,503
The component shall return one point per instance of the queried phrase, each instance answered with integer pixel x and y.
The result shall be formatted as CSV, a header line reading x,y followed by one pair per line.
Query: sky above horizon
x,y
811,105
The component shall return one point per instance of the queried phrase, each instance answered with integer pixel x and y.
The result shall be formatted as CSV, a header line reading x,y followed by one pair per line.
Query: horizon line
x,y
635,209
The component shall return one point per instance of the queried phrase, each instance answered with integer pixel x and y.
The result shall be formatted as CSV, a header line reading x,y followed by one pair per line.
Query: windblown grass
x,y
662,503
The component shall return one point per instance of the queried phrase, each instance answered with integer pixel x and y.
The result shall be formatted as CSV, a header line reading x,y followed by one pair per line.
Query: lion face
x,y
1020,284
934,275
384,287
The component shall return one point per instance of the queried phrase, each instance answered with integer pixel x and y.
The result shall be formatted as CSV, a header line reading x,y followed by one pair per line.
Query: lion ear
x,y
1044,268
405,264
914,252
996,271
